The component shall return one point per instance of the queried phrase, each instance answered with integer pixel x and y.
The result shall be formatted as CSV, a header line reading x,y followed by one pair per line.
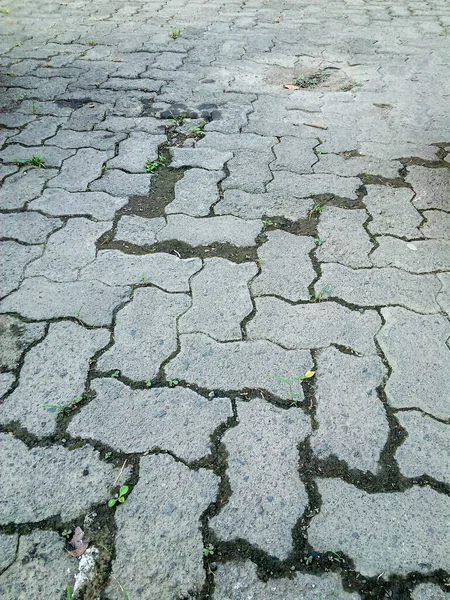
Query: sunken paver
x,y
29,227
392,211
239,580
431,187
79,170
145,333
429,591
14,259
99,205
256,206
54,373
139,231
426,450
351,417
418,379
174,419
316,325
267,495
419,256
196,192
286,267
237,365
385,533
161,513
380,287
437,224
135,151
15,337
52,471
220,299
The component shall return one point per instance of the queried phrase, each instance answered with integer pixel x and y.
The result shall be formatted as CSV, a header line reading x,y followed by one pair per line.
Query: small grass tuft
x,y
312,81
175,33
34,161
152,165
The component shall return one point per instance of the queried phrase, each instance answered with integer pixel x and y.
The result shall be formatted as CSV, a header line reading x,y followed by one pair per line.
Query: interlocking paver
x,y
255,206
204,158
29,227
196,192
15,337
60,202
119,183
135,151
429,591
303,186
437,224
418,256
24,186
14,259
392,211
79,170
431,187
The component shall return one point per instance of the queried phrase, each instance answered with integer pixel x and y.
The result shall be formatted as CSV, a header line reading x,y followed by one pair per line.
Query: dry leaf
x,y
291,86
78,544
309,374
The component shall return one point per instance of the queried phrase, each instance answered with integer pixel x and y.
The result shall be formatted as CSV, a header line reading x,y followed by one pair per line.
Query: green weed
x,y
175,33
152,165
4,11
34,161
108,455
115,374
119,497
208,550
315,210
311,81
293,396
91,43
172,382
62,407
318,296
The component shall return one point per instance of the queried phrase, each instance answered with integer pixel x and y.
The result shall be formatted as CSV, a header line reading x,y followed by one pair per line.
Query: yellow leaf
x,y
291,86
309,374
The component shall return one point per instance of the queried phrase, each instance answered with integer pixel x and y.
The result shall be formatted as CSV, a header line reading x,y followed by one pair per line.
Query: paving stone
x,y
91,302
303,186
86,117
286,268
204,158
79,170
249,171
267,495
24,186
161,513
51,470
241,141
6,381
357,165
41,568
54,372
352,420
163,270
173,419
100,140
8,548
148,124
411,532
119,183
196,192
344,239
294,154
15,337
419,256
437,224
418,379
426,450
210,230
429,591
14,258
378,287
138,230
53,157
392,212
220,299
443,297
99,205
145,333
431,187
239,581
237,365
37,131
29,227
136,150
68,250
6,170
255,206
315,325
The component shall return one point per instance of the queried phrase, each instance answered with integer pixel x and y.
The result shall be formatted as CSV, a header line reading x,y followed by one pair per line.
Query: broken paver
x,y
15,337
249,171
14,259
294,154
137,230
220,299
204,158
418,379
437,224
60,202
28,227
196,192
419,256
22,187
136,150
267,495
256,206
411,532
173,419
392,211
79,170
431,187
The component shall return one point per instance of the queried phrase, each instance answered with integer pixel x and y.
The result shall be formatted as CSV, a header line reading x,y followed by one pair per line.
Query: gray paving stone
x,y
255,206
357,165
92,302
249,171
68,250
14,259
418,379
53,157
138,230
231,142
303,186
163,270
145,333
6,170
29,227
99,205
315,325
204,158
100,140
41,568
379,287
51,470
37,131
54,372
267,495
429,591
86,117
392,212
126,124
161,513
79,170
432,187
210,230
174,419
437,224
237,365
239,581
352,420
419,256
8,549
286,268
443,297
294,154
196,192
344,239
411,533
6,381
24,186
136,150
119,183
426,450
15,337
220,299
